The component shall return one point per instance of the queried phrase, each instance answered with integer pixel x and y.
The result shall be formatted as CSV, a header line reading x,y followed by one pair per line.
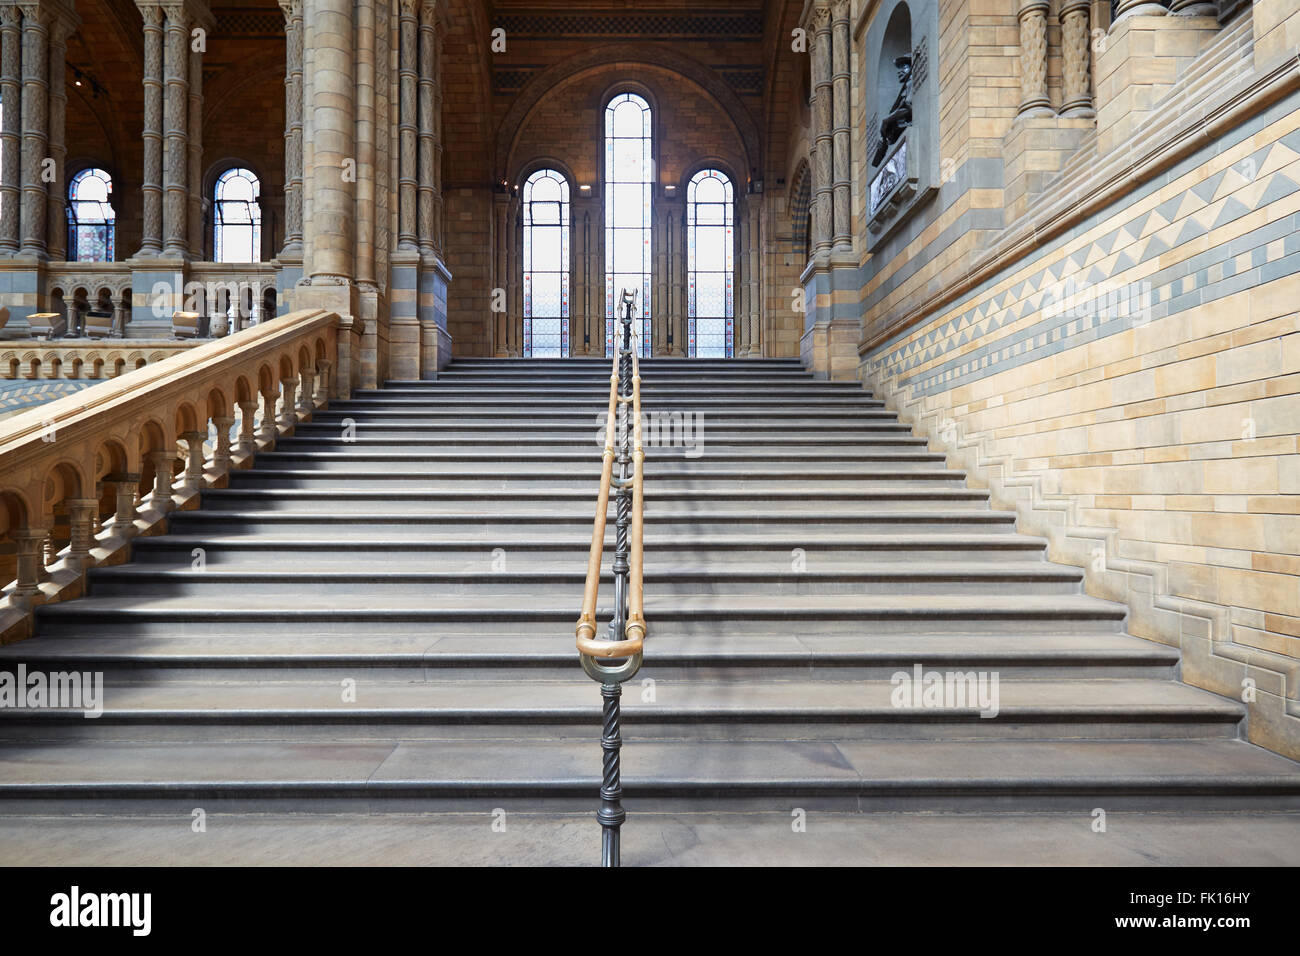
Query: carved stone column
x,y
407,63
30,546
842,165
823,146
221,453
194,160
292,10
247,427
501,221
1033,57
124,490
1076,50
151,186
288,416
176,106
426,133
10,93
332,223
305,391
81,518
162,479
36,127
194,456
56,224
1138,8
754,250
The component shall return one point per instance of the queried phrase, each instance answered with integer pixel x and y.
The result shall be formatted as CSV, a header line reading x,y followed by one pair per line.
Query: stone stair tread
x,y
810,541
1107,766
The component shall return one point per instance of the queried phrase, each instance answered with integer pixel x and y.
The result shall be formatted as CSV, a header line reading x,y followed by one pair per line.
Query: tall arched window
x,y
237,217
710,265
90,217
546,265
629,184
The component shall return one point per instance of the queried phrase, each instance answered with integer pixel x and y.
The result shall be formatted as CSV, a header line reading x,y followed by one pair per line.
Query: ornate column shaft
x,y
30,545
36,128
194,160
176,106
364,113
56,225
292,10
81,519
438,238
501,211
162,478
221,454
823,133
151,186
10,94
1076,50
1033,57
842,164
247,427
425,150
288,415
408,58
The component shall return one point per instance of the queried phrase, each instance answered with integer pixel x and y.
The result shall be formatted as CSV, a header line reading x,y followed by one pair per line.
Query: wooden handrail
x,y
634,629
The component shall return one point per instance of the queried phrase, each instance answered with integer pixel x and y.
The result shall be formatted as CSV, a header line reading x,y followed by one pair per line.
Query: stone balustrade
x,y
85,359
83,475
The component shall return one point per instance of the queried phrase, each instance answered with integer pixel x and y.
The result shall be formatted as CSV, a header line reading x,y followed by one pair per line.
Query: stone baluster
x,y
30,546
221,453
151,186
247,425
1033,58
194,457
287,414
162,479
268,432
81,518
1076,49
10,151
125,486
306,392
323,382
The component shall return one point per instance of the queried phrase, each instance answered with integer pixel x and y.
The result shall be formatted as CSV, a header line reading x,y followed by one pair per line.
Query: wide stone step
x,y
719,459
686,711
441,551
686,613
789,445
384,582
535,775
533,655
496,524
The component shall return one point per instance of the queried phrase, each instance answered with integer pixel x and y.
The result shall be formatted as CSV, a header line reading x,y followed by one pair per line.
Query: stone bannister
x,y
83,475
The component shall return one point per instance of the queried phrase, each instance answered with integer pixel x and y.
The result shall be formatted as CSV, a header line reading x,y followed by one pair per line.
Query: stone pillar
x,y
754,251
151,186
841,53
194,456
30,545
56,225
247,425
1033,57
81,518
124,491
36,129
162,479
194,159
1138,8
288,417
305,392
268,433
322,381
176,105
822,150
292,10
407,62
425,149
221,454
333,117
1076,51
501,223
438,237
10,94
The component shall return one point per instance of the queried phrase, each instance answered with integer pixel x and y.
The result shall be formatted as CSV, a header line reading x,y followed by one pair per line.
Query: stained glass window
x,y
90,217
629,183
546,265
710,265
237,217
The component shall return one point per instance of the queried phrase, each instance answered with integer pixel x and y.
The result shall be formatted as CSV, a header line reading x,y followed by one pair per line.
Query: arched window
x,y
629,184
546,265
237,217
710,265
90,217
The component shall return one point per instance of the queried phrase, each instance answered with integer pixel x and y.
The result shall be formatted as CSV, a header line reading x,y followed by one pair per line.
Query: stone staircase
x,y
378,619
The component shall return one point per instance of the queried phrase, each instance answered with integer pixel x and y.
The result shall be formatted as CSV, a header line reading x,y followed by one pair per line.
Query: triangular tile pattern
x,y
1248,184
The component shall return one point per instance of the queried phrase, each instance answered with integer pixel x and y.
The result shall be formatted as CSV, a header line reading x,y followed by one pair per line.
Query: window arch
x,y
710,265
629,188
237,217
91,217
546,265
